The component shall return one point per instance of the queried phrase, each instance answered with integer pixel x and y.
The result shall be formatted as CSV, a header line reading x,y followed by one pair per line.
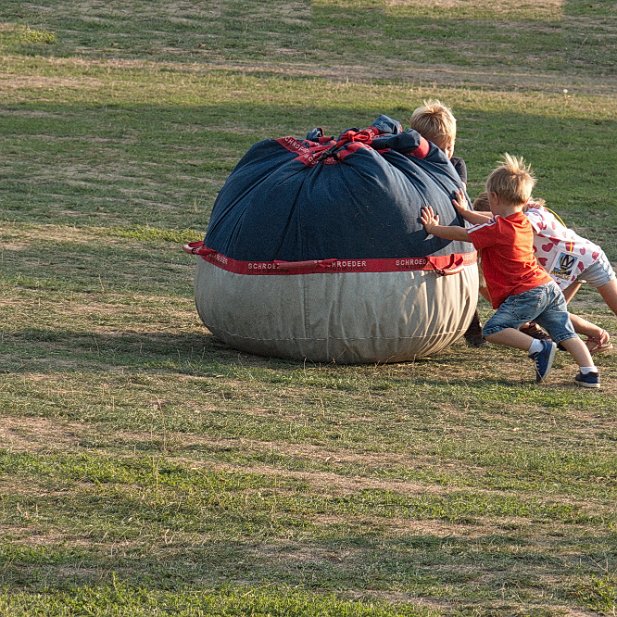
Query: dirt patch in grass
x,y
570,612
24,434
326,483
416,74
395,526
27,536
436,76
32,236
181,442
41,82
15,246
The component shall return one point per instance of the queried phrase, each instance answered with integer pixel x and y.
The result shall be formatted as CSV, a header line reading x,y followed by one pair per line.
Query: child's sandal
x,y
535,331
599,344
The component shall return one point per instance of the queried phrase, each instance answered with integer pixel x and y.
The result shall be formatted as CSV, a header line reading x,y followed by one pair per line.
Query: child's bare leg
x,y
578,350
582,326
598,340
570,292
511,337
609,294
541,352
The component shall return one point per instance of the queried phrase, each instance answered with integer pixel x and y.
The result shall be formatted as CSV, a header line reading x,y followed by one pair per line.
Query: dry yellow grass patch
x,y
552,9
24,434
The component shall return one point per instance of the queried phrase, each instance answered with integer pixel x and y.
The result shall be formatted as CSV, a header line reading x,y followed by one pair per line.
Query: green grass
x,y
145,468
229,601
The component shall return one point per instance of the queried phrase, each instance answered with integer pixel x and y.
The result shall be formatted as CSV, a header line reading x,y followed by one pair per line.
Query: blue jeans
x,y
544,304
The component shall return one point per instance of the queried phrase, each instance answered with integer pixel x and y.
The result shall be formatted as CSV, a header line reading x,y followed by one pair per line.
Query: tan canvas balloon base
x,y
361,317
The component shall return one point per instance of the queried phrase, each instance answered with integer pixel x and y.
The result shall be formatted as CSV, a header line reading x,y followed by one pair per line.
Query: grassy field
x,y
145,468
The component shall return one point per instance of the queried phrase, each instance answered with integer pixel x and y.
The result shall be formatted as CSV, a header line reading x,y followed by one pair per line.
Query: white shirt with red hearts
x,y
559,250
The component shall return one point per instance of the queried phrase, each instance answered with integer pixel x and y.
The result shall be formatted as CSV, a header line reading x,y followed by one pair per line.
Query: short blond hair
x,y
512,181
435,122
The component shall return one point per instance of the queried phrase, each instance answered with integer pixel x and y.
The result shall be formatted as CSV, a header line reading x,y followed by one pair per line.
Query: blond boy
x,y
519,288
598,340
436,122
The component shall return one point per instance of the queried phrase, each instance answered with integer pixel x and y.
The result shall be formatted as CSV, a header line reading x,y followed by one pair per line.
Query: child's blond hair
x,y
512,181
435,122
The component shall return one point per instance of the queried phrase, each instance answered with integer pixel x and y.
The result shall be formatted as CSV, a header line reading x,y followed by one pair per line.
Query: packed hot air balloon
x,y
315,250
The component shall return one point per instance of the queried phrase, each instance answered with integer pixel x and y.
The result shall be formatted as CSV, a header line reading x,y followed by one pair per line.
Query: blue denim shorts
x,y
545,305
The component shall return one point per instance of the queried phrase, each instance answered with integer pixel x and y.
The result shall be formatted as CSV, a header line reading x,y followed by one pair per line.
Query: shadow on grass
x,y
197,352
47,351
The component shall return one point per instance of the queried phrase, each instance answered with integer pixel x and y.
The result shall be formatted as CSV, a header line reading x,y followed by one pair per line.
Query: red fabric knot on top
x,y
327,150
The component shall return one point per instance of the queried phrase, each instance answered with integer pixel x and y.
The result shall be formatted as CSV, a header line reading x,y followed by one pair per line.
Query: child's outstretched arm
x,y
460,205
430,220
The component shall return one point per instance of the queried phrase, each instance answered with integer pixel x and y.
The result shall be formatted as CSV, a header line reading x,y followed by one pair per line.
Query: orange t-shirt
x,y
508,261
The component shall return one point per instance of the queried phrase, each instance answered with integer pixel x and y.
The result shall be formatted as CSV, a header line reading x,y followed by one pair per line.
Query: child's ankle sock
x,y
535,347
585,370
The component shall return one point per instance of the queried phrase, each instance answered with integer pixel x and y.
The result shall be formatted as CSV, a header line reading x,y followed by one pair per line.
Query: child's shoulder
x,y
537,213
535,208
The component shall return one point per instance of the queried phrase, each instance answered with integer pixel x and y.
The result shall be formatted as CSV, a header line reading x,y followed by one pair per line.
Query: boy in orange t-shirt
x,y
520,289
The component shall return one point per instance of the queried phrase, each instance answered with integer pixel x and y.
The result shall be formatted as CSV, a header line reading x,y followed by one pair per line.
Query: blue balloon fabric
x,y
356,196
315,250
